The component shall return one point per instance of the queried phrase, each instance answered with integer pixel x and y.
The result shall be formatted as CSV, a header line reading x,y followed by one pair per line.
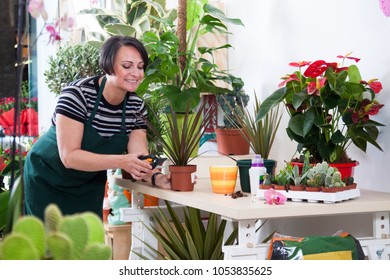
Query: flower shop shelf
x,y
299,196
249,209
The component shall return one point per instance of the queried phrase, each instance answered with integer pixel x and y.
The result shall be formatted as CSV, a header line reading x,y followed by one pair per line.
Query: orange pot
x,y
223,178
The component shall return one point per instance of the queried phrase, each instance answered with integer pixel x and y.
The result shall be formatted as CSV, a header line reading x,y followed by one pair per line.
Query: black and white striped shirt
x,y
78,99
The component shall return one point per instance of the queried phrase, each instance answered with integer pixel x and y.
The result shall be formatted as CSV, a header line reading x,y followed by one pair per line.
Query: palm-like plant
x,y
259,134
181,136
191,240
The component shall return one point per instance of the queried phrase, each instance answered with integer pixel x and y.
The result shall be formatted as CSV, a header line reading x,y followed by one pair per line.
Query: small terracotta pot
x,y
279,187
181,177
297,188
328,190
265,187
313,189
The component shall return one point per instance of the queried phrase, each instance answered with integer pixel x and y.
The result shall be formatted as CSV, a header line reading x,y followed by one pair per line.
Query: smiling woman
x,y
95,127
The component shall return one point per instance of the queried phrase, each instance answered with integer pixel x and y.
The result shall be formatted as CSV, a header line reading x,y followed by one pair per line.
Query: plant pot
x,y
243,168
223,179
181,177
279,187
148,199
346,169
313,189
231,142
297,188
328,190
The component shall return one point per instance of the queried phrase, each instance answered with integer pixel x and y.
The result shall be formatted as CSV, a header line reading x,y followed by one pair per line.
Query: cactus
x,y
266,179
328,181
337,180
77,236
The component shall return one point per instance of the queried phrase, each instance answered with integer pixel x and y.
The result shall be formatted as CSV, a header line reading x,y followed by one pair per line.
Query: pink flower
x,y
385,7
65,22
37,8
54,35
274,197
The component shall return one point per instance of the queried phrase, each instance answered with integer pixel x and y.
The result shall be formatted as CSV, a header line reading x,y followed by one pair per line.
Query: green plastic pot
x,y
243,169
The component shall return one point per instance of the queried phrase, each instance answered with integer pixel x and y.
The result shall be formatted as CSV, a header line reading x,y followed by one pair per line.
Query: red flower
x,y
299,64
288,78
348,57
316,85
316,69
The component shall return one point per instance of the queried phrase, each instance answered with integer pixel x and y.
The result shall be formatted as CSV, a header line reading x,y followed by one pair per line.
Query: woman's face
x,y
128,69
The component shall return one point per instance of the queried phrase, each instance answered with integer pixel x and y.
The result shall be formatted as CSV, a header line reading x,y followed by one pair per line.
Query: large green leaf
x,y
270,102
301,124
4,199
15,204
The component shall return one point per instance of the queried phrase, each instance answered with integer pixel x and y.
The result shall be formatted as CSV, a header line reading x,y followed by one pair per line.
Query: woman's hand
x,y
163,181
136,167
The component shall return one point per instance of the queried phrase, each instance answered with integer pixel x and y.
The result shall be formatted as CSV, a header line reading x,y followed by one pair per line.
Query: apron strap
x,y
99,97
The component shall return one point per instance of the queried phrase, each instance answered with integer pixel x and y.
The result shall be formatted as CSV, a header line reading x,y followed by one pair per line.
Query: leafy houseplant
x,y
329,107
178,72
191,240
231,138
71,62
182,136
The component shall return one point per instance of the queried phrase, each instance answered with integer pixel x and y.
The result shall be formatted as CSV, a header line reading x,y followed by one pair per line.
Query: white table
x,y
247,210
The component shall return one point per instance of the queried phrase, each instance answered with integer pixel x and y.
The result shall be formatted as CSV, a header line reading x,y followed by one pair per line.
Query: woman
x,y
95,122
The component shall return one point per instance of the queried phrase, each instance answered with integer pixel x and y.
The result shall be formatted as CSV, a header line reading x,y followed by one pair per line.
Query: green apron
x,y
47,180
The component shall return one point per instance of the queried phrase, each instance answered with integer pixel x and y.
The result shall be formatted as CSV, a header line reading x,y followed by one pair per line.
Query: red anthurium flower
x,y
375,85
316,69
288,78
373,108
349,57
273,197
299,64
316,85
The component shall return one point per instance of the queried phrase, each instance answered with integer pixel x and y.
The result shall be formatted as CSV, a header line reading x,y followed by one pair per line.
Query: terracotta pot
x,y
328,190
297,188
181,177
265,187
313,189
231,142
279,187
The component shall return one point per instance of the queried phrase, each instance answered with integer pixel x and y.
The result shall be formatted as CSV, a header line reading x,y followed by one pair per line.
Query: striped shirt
x,y
78,99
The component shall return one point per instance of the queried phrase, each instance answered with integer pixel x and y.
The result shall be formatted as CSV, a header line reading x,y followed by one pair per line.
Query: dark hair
x,y
111,47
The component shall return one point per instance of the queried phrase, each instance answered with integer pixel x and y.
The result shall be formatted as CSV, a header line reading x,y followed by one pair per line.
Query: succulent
x,y
337,181
266,179
318,173
71,237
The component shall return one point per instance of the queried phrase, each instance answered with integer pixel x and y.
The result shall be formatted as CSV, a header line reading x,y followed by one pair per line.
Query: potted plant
x,y
330,108
232,137
191,240
179,142
180,71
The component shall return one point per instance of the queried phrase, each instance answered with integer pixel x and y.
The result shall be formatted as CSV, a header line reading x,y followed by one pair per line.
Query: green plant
x,y
295,176
182,136
71,62
179,70
71,237
191,240
233,103
316,176
329,107
260,134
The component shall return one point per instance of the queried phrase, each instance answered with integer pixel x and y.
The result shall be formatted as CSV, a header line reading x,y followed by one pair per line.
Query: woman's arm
x,y
69,138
